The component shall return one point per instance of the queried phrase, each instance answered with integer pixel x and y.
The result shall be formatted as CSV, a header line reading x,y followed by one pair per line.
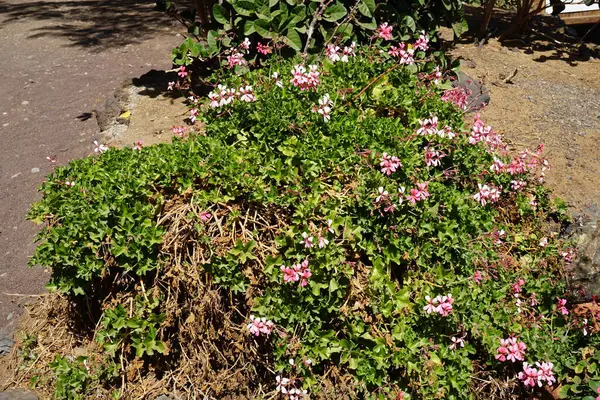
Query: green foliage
x,y
362,309
140,330
308,25
75,379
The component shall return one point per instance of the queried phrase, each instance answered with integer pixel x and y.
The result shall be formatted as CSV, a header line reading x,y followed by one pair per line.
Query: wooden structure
x,y
576,12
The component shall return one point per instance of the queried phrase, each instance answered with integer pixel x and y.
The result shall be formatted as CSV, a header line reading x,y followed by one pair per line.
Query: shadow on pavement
x,y
89,23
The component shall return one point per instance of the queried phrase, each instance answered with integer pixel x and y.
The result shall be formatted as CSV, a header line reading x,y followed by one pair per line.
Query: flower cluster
x,y
458,96
286,387
263,49
429,126
138,145
335,54
389,164
456,342
422,42
418,194
304,79
258,326
224,95
405,52
433,157
324,107
531,376
440,304
236,58
384,31
518,285
569,254
510,349
487,194
297,272
99,147
178,130
561,306
480,132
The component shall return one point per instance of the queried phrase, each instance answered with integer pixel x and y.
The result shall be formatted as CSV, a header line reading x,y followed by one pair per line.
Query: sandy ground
x,y
59,60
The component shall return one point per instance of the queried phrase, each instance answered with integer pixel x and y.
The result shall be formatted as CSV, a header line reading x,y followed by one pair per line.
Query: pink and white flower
x,y
428,126
237,58
433,157
384,31
263,48
423,42
182,72
529,375
305,80
258,326
487,194
389,164
456,342
511,349
247,94
307,240
561,306
178,130
324,107
99,147
138,146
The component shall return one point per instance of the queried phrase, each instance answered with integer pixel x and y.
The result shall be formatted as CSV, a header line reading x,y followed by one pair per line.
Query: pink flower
x,y
428,126
182,72
389,163
420,193
263,49
171,84
51,159
178,130
458,96
396,51
138,145
545,373
482,133
517,285
384,31
517,185
307,240
598,390
497,166
282,384
348,52
423,42
437,75
477,277
323,242
297,272
247,94
245,45
258,326
383,195
236,58
456,342
276,79
433,157
431,306
70,183
305,80
510,349
529,375
561,306
99,148
446,132
498,235
205,216
569,255
329,226
487,194
324,107
194,114
407,56
543,242
441,305
333,52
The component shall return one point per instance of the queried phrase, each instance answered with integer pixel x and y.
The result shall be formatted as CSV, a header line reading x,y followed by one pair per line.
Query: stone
x,y
5,345
479,95
18,394
35,170
167,397
584,272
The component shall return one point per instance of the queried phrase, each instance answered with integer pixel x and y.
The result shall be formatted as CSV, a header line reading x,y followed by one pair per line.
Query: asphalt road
x,y
59,60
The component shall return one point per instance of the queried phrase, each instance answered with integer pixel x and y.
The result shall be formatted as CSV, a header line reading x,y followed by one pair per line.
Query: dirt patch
x,y
550,101
142,109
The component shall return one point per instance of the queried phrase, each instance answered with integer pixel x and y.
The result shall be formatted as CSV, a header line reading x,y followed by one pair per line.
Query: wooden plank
x,y
581,17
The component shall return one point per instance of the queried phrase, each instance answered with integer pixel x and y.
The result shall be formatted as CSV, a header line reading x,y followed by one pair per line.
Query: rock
x,y
5,345
479,95
35,170
166,397
18,394
585,271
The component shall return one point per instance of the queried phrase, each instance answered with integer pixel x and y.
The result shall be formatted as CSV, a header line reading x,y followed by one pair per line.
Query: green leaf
x,y
249,27
262,27
220,14
370,26
334,12
243,7
409,22
293,40
364,9
460,27
563,392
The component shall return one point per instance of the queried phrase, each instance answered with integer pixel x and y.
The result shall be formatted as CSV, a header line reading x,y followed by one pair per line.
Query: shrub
x,y
302,27
338,229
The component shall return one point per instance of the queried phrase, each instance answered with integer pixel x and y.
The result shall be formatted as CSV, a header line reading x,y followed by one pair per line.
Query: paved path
x,y
58,61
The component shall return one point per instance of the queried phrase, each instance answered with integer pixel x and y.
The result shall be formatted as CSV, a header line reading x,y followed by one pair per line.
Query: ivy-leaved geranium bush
x,y
364,237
